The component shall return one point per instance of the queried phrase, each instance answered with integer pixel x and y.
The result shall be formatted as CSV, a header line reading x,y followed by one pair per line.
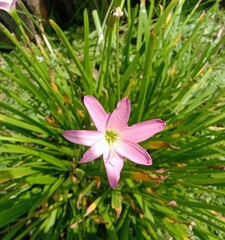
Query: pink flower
x,y
8,5
114,139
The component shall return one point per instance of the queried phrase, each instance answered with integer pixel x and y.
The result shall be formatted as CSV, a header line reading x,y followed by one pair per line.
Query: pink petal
x,y
120,115
113,165
96,111
95,151
133,152
141,131
4,5
7,6
83,137
14,2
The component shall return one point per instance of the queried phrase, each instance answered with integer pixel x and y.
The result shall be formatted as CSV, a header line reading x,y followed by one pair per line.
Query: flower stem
x,y
117,60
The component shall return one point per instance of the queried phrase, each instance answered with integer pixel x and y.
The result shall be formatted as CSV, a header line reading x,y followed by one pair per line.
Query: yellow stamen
x,y
111,136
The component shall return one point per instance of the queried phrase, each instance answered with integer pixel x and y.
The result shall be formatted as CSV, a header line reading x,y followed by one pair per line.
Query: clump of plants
x,y
157,62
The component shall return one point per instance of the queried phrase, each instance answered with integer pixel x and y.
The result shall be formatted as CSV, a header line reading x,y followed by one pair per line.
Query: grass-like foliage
x,y
169,61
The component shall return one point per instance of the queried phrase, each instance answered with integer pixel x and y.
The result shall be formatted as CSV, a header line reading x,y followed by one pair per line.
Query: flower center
x,y
111,136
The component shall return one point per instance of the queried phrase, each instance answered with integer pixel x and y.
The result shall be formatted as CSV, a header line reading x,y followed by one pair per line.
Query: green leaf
x,y
8,174
16,211
61,164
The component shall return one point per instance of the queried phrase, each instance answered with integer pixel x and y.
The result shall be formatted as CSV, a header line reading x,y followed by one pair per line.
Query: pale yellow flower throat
x,y
110,136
